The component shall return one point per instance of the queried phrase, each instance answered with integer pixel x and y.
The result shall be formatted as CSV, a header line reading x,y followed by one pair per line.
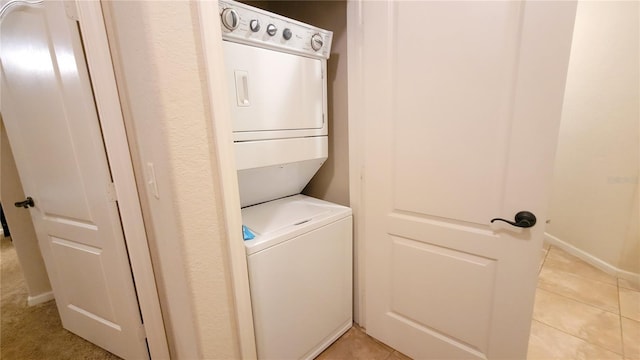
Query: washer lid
x,y
279,220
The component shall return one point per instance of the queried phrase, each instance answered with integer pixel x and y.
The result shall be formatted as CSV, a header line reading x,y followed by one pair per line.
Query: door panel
x,y
458,87
462,102
462,274
75,256
53,128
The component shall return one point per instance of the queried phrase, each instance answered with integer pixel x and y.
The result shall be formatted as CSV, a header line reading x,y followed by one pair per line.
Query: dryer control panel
x,y
246,24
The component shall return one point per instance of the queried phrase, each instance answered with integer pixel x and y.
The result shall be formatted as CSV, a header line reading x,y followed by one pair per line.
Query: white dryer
x,y
276,75
300,261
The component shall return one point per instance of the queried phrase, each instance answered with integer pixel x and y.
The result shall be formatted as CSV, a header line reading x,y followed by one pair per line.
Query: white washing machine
x,y
300,275
300,261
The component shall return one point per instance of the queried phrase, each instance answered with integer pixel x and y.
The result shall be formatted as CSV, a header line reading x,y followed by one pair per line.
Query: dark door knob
x,y
28,202
524,219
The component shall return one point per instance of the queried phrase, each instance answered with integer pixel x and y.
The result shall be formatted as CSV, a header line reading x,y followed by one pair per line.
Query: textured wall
x,y
594,202
161,81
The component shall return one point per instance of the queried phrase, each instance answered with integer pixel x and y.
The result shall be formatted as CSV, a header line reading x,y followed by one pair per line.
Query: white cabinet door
x,y
53,129
460,104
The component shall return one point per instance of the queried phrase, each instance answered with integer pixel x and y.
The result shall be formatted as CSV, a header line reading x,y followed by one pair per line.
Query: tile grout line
x,y
620,311
389,356
585,277
579,260
582,302
620,303
391,350
544,259
579,338
619,314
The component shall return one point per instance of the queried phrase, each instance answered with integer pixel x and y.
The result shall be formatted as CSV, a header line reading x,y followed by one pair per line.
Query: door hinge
x,y
71,8
111,192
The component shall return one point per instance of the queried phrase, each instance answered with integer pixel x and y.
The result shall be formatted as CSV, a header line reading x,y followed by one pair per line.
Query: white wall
x,y
162,83
594,203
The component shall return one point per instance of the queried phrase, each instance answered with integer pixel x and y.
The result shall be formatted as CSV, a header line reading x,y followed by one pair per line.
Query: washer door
x,y
274,94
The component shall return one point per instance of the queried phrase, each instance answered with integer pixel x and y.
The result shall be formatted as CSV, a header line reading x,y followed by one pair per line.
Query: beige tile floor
x,y
580,313
357,345
583,313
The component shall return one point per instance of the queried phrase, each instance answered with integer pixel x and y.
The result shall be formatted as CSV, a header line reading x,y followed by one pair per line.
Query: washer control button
x,y
254,25
286,34
316,42
230,19
272,29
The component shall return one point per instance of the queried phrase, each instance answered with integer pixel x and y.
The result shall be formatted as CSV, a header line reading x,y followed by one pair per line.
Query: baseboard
x,y
39,299
592,260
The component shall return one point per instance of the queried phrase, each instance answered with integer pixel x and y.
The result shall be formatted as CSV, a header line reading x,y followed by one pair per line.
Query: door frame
x,y
355,28
100,68
215,77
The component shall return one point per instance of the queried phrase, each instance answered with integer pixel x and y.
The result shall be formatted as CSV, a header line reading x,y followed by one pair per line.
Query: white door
x,y
460,107
50,117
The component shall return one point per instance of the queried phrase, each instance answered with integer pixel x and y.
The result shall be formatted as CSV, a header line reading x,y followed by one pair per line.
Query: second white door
x,y
54,132
460,104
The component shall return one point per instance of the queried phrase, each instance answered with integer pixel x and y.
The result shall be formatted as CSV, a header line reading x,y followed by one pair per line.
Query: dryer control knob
x,y
271,29
316,42
254,25
230,19
286,34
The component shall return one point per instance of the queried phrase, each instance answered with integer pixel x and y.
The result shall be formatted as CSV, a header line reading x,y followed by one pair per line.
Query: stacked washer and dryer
x,y
300,258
